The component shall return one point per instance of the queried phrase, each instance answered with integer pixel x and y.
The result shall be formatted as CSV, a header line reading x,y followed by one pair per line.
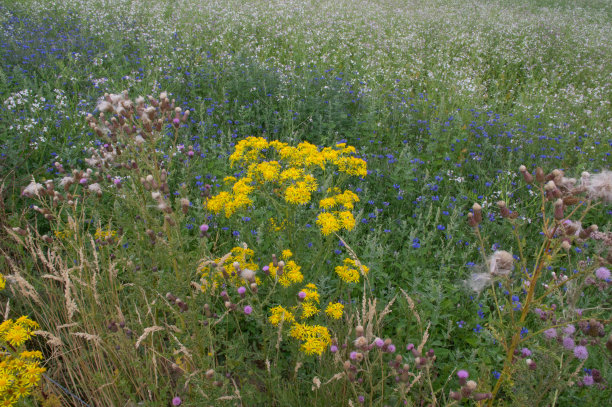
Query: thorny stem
x,y
516,338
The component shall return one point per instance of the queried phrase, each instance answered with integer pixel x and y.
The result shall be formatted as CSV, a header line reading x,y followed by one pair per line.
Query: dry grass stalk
x,y
25,288
386,310
182,348
96,271
425,338
88,337
412,306
353,256
337,376
52,340
147,332
317,383
71,306
7,308
68,325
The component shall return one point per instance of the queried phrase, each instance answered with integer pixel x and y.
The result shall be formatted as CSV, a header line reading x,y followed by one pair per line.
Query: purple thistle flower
x,y
301,295
581,352
569,330
333,349
568,343
177,401
391,348
353,355
602,273
248,309
203,228
241,290
588,380
361,399
550,333
379,342
463,374
525,352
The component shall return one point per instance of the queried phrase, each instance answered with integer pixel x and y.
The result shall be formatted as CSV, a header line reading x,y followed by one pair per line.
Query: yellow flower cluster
x,y
315,338
63,234
280,314
2,282
289,175
230,202
331,222
16,333
291,272
275,226
349,273
346,199
20,371
334,310
310,301
213,277
104,234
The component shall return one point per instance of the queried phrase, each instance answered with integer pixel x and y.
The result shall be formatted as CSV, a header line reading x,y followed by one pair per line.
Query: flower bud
x,y
455,395
281,265
477,213
558,212
540,177
585,233
185,205
526,175
503,209
481,396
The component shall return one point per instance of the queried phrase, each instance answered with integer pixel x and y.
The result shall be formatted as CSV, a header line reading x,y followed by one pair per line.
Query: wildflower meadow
x,y
305,203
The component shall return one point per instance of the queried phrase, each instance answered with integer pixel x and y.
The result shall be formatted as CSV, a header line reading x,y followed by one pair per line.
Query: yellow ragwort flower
x,y
335,310
328,223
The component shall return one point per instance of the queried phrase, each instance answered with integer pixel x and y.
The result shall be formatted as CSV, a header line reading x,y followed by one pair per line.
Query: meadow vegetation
x,y
280,203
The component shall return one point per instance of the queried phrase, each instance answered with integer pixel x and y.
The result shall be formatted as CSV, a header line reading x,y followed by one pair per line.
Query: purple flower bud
x,y
379,342
353,355
525,352
391,348
176,122
301,295
463,374
83,181
333,349
410,346
361,399
177,401
241,290
248,309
